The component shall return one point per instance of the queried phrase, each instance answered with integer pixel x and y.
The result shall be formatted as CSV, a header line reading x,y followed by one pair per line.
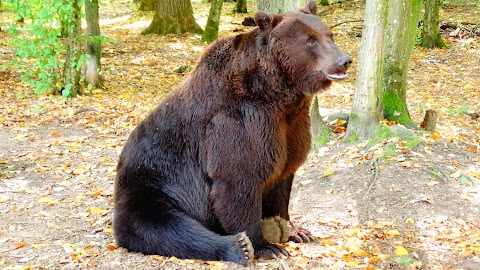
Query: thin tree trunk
x,y
367,105
211,29
71,70
94,47
173,17
431,37
401,32
321,134
240,6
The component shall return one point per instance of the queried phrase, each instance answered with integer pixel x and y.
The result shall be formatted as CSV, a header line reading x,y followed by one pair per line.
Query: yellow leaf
x,y
466,197
108,230
410,221
95,210
392,233
401,251
39,246
327,173
360,252
48,201
432,183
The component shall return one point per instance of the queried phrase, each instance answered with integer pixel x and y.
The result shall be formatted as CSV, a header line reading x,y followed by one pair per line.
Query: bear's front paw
x,y
301,235
275,229
270,251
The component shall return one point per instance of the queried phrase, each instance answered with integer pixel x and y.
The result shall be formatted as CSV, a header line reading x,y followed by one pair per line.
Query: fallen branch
x,y
344,22
374,178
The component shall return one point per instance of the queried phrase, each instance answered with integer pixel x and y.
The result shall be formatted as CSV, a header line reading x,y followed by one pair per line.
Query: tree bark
x,y
94,46
431,37
240,6
279,6
321,134
211,29
401,31
71,70
173,17
147,5
430,120
367,104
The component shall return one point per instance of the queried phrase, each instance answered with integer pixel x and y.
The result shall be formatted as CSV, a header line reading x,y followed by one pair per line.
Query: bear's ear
x,y
310,8
266,21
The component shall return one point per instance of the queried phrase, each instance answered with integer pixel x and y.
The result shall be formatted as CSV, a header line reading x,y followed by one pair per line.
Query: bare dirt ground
x,y
385,205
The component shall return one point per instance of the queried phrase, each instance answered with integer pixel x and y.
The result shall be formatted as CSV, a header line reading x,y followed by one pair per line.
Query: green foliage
x,y
37,43
464,109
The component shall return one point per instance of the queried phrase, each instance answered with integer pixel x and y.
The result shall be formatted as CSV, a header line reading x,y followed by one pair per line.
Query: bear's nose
x,y
344,62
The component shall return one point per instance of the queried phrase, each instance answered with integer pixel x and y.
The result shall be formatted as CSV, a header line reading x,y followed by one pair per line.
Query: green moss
x,y
324,138
394,108
412,141
389,150
352,138
382,132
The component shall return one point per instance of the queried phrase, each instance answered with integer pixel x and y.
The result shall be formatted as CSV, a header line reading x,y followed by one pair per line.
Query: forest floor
x,y
389,204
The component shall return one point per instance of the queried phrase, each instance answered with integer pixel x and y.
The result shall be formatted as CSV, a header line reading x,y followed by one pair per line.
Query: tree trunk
x,y
431,37
321,134
173,17
94,46
401,31
279,6
71,70
240,7
430,120
147,5
367,105
211,29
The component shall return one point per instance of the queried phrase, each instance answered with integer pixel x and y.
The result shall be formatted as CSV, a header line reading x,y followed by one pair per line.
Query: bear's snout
x,y
344,62
339,70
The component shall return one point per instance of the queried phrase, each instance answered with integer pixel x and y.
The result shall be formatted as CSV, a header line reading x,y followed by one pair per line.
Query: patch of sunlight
x,y
114,20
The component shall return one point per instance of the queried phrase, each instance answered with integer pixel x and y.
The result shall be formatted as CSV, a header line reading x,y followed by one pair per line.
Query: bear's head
x,y
302,47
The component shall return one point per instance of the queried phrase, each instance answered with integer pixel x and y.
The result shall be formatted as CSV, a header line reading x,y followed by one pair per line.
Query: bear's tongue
x,y
336,76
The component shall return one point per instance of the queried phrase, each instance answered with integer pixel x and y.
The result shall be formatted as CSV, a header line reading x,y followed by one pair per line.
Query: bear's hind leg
x,y
176,234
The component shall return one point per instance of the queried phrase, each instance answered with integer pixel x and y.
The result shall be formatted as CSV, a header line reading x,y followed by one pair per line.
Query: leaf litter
x,y
421,211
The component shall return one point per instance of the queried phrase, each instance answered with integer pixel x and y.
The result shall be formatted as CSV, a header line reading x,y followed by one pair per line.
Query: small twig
x,y
374,178
340,23
84,109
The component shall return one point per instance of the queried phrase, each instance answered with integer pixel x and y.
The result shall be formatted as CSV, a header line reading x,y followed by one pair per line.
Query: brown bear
x,y
196,177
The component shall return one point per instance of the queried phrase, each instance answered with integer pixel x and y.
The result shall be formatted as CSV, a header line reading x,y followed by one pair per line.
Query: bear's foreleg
x,y
238,162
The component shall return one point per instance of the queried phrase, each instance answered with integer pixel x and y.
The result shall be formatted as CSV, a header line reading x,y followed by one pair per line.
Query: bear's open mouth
x,y
336,76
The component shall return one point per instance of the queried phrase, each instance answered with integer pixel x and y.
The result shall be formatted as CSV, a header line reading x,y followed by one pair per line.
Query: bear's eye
x,y
311,42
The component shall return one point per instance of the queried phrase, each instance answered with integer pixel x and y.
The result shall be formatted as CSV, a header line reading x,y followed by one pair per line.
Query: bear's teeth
x,y
339,76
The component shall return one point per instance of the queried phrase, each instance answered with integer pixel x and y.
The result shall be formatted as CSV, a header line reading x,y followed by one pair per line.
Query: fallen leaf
x,y
112,247
432,183
95,210
48,201
401,251
327,173
19,245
